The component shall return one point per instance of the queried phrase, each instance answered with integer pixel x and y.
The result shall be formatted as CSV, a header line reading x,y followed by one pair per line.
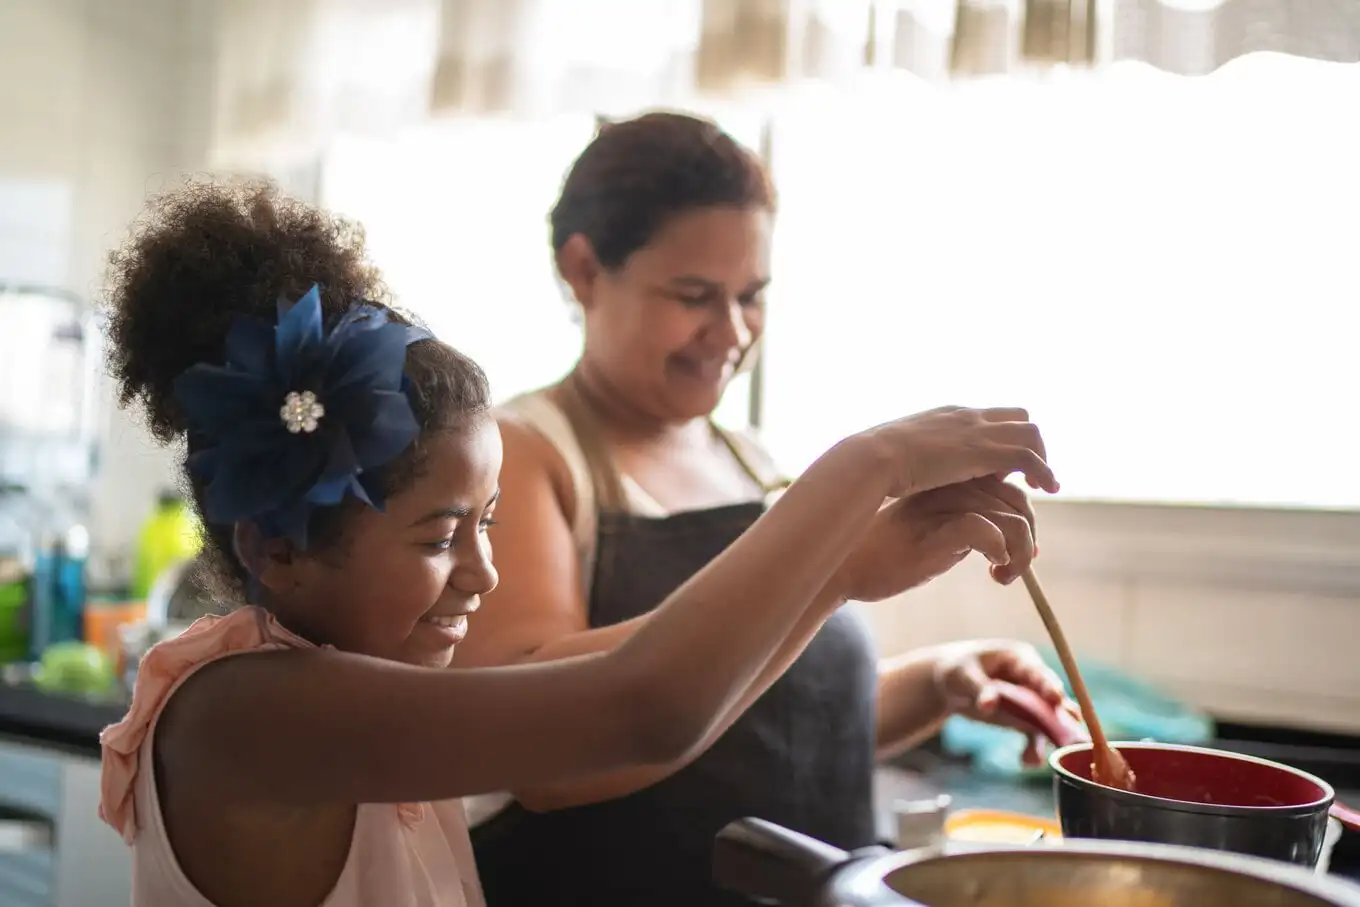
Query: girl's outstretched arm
x,y
325,727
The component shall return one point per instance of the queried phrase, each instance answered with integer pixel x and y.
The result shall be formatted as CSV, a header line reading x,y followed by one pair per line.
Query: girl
x,y
347,471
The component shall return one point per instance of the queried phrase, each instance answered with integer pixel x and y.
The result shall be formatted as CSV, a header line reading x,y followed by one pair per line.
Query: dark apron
x,y
801,756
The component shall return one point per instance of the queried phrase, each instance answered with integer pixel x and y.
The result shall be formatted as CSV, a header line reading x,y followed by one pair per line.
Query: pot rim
x,y
1336,890
1322,804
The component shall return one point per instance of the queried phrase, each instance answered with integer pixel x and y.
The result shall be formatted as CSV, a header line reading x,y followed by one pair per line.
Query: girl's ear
x,y
272,562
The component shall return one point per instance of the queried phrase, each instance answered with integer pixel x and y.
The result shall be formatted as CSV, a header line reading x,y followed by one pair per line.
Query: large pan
x,y
773,865
1186,795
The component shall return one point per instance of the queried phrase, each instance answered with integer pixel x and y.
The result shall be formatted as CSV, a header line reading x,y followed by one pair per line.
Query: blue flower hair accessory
x,y
298,417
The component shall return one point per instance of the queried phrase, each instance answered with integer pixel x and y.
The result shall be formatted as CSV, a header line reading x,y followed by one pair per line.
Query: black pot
x,y
1198,797
774,865
1187,795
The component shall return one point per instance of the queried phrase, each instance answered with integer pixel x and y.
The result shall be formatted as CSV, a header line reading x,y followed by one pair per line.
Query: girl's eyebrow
x,y
454,513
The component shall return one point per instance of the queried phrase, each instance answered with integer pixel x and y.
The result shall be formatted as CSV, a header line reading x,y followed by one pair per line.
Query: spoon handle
x,y
1069,661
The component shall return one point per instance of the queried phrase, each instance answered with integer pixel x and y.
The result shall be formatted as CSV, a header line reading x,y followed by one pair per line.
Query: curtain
x,y
542,57
300,72
290,76
1186,37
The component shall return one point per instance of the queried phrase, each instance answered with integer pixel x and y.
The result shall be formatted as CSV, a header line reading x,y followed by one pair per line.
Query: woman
x,y
618,488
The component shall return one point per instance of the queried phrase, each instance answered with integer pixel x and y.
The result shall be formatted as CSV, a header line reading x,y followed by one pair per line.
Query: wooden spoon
x,y
1108,766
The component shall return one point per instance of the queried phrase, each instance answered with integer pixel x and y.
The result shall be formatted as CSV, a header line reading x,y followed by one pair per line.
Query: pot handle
x,y
1348,816
770,863
1033,711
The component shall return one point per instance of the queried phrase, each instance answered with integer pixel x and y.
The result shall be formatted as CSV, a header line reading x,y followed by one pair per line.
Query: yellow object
x,y
994,826
169,536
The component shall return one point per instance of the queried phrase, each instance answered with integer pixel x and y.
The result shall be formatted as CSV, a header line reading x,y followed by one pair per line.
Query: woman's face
x,y
669,328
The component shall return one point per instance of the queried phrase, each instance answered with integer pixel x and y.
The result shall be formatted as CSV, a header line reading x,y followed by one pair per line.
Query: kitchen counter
x,y
67,722
926,773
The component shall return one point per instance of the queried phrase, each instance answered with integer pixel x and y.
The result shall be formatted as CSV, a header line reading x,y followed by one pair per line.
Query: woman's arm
x,y
319,727
911,706
536,613
917,691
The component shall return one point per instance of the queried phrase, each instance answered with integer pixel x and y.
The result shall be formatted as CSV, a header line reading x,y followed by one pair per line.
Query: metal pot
x,y
775,865
1186,795
1200,797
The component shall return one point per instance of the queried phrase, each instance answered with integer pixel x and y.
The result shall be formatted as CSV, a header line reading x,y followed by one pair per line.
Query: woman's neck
x,y
621,418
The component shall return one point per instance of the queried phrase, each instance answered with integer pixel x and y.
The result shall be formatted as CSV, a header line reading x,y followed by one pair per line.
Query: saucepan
x,y
771,864
1186,795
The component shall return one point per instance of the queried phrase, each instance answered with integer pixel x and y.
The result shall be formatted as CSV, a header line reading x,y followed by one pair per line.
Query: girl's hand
x,y
964,677
952,444
913,540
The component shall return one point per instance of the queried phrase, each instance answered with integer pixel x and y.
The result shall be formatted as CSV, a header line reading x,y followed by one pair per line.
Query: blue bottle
x,y
68,599
42,587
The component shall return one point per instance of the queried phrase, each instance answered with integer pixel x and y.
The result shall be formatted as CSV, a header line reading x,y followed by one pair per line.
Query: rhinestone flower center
x,y
301,412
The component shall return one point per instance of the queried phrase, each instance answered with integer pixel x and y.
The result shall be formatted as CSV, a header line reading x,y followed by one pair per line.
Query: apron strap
x,y
754,459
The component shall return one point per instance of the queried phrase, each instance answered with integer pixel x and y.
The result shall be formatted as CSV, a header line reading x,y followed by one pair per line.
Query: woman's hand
x,y
913,540
965,675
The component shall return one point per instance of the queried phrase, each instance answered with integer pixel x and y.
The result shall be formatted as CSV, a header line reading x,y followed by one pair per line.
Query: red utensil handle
x,y
1347,816
1039,716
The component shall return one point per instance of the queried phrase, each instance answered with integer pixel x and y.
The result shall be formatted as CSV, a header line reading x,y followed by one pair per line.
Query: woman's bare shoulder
x,y
530,455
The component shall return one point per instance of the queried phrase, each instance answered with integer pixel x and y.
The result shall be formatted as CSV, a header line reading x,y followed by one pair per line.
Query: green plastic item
x,y
169,536
75,668
13,621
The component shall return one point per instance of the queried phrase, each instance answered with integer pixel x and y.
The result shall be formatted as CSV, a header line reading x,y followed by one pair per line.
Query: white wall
x,y
100,102
1251,614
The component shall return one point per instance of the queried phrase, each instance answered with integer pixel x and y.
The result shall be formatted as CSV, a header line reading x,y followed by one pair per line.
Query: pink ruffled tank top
x,y
402,855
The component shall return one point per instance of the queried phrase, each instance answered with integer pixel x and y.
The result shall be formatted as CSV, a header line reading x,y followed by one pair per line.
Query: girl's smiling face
x,y
403,582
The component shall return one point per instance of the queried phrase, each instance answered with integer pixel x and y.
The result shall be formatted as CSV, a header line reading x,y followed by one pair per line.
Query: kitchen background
x,y
1169,225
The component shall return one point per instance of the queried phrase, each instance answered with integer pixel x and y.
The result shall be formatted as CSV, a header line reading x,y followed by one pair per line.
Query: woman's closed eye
x,y
695,300
700,300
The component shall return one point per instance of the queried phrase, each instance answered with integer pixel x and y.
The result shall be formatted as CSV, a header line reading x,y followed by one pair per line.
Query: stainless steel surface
x,y
1068,875
178,597
757,858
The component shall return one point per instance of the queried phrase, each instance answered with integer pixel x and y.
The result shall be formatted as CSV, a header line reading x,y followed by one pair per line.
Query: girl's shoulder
x,y
162,671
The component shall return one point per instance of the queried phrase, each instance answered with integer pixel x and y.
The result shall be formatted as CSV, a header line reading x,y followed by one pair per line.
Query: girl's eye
x,y
445,544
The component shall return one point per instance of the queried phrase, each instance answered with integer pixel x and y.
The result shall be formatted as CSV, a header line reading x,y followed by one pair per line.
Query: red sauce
x,y
1207,777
